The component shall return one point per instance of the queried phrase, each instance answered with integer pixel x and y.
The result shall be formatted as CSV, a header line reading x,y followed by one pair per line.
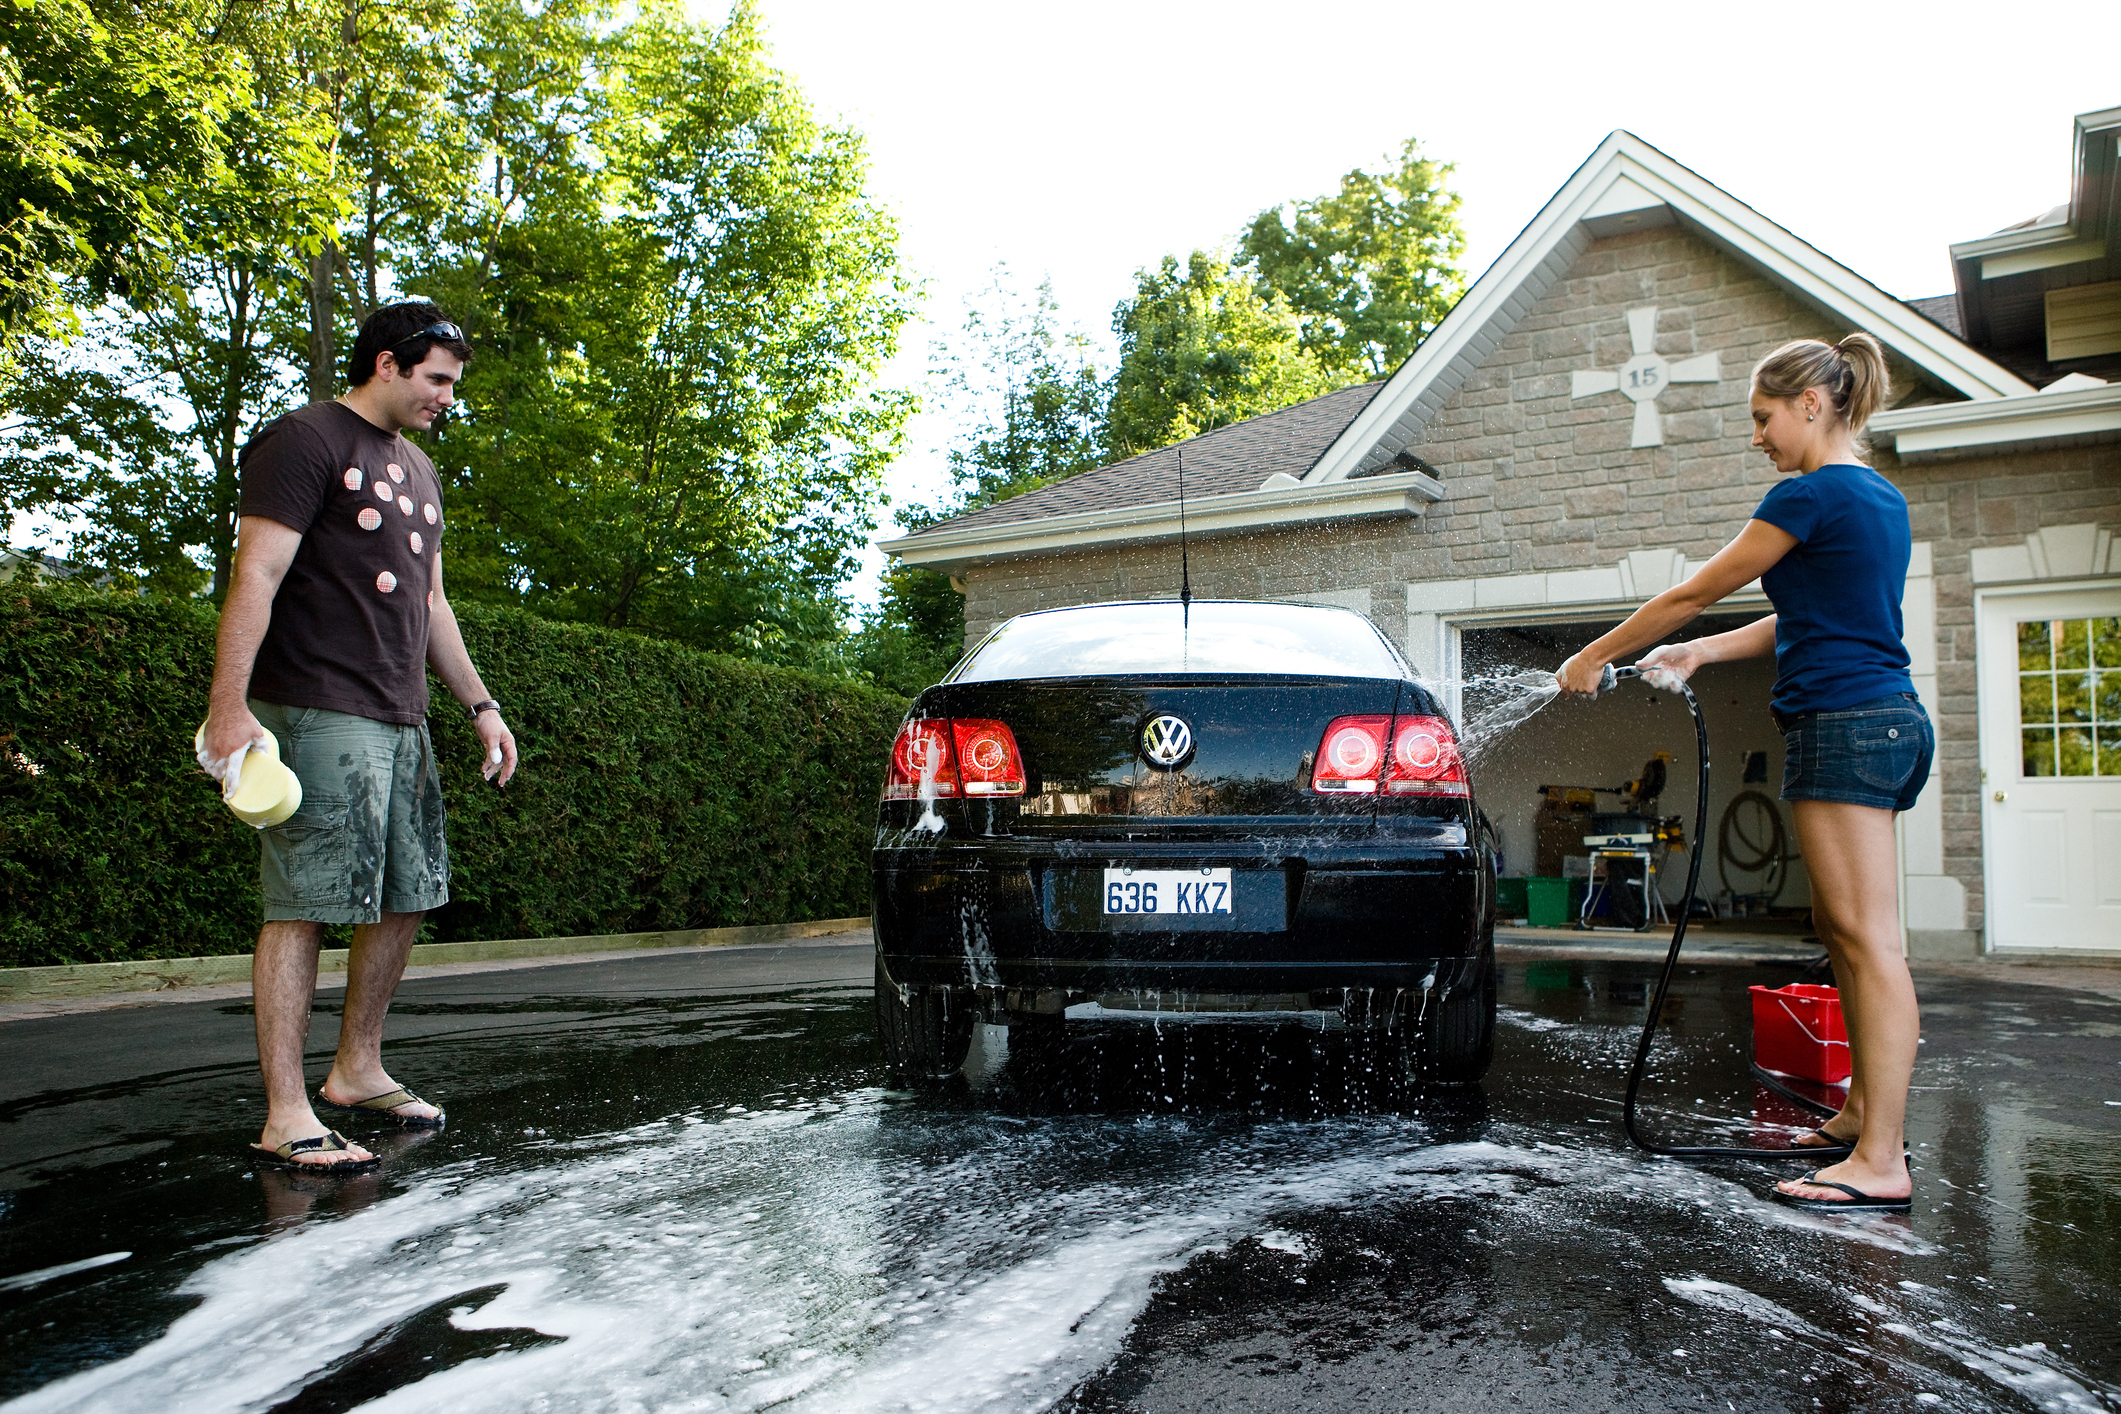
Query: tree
x,y
184,366
678,429
1369,269
104,109
1200,348
1029,399
1029,393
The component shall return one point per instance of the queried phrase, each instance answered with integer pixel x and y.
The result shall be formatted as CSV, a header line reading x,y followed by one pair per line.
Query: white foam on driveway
x,y
827,1256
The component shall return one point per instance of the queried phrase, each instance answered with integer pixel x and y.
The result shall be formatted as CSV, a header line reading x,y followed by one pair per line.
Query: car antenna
x,y
1185,573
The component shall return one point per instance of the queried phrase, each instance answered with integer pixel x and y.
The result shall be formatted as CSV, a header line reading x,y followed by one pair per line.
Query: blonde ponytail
x,y
1852,374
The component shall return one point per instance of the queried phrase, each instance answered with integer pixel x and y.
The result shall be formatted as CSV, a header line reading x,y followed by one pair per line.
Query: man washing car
x,y
335,611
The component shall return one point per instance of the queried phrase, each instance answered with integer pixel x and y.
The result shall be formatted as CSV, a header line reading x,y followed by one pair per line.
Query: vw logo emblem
x,y
1166,740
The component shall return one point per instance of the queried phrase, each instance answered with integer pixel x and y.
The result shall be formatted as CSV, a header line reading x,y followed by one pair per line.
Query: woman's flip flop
x,y
386,1105
1857,1201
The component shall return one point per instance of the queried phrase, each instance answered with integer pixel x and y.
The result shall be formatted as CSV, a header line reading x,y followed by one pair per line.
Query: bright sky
x,y
1085,140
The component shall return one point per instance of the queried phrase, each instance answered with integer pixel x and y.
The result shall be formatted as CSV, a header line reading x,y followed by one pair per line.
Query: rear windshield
x,y
1217,637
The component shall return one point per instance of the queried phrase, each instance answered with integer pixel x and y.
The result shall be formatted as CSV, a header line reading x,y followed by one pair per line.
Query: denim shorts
x,y
1874,753
369,836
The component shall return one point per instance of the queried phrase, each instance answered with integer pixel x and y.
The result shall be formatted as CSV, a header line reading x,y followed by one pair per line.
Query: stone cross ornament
x,y
1644,376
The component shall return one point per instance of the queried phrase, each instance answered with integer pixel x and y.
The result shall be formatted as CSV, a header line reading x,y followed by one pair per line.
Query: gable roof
x,y
1221,462
1629,185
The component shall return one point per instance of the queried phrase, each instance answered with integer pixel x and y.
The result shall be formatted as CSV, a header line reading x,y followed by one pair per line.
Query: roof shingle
x,y
1223,462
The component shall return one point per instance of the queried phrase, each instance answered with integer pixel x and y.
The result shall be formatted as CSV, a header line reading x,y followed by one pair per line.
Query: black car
x,y
1225,805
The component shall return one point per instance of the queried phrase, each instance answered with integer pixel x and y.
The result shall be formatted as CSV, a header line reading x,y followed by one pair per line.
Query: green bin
x,y
1509,898
1552,903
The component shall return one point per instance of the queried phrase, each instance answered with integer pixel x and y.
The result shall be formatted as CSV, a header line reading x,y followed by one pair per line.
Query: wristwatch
x,y
489,705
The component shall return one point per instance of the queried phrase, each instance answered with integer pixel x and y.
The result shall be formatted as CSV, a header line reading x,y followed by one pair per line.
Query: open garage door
x,y
1610,742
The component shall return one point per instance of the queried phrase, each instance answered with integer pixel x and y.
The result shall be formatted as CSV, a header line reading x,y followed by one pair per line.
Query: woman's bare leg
x,y
1850,853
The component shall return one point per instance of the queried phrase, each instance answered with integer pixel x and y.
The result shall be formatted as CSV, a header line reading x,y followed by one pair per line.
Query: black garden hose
x,y
1671,964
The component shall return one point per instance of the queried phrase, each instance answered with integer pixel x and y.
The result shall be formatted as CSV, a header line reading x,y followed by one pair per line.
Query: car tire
x,y
1452,1045
1458,1043
925,1031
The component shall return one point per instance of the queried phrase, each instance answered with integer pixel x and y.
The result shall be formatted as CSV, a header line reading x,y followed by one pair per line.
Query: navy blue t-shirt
x,y
1837,594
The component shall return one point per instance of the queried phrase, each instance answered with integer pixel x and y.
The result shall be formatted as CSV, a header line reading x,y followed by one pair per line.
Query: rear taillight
x,y
1425,759
987,758
920,762
1350,755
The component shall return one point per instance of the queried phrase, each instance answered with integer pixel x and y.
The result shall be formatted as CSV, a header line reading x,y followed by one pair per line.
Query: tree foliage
x,y
113,117
1202,346
679,293
749,298
1369,269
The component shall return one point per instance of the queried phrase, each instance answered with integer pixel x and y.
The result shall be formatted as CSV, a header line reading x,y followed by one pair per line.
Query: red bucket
x,y
1798,1030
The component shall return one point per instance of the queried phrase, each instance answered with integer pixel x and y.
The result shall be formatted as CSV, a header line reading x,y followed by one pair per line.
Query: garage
x,y
1535,779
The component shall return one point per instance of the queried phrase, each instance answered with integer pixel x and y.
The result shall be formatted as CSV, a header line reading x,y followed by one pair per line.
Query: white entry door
x,y
2050,669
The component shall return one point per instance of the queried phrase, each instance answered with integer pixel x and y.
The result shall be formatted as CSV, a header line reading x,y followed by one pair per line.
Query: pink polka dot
x,y
352,478
397,473
383,492
430,512
369,518
417,544
405,505
385,582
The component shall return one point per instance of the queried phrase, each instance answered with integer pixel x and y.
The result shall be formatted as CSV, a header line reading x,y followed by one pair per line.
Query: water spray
x,y
1612,678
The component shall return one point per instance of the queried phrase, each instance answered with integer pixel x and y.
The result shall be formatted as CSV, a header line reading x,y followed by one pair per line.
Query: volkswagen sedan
x,y
1217,806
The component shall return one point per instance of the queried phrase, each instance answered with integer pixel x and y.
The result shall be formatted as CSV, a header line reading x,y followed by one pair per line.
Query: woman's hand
x,y
1667,667
1580,676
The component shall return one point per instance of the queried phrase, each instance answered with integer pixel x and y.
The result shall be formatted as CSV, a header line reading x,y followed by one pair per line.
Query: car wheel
x,y
1451,1045
925,1031
1458,1042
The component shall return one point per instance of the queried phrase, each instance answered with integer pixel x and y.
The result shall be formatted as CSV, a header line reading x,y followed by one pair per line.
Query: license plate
x,y
1172,892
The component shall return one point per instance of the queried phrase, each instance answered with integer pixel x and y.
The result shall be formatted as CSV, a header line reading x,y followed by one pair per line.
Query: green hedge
x,y
660,787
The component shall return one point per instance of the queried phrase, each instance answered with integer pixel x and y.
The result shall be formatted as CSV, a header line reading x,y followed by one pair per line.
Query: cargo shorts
x,y
369,837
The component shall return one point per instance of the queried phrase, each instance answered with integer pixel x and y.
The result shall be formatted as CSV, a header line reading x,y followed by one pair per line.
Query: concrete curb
x,y
93,979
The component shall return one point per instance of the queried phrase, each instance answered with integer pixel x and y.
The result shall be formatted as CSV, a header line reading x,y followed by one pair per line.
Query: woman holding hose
x,y
1830,546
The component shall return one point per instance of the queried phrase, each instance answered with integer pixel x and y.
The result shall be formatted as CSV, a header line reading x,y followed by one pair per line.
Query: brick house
x,y
1574,438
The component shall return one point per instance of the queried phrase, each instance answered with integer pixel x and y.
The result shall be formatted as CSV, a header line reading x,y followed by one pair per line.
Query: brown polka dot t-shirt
x,y
349,624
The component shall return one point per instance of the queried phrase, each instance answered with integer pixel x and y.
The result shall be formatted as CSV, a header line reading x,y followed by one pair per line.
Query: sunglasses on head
x,y
441,330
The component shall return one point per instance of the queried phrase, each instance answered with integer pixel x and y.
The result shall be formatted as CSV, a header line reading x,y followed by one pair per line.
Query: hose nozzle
x,y
1612,677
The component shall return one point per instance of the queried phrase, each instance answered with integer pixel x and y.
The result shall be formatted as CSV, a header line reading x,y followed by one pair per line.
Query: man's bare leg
x,y
372,975
283,977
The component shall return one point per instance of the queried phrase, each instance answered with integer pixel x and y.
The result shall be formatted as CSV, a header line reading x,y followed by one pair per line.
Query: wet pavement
x,y
682,1183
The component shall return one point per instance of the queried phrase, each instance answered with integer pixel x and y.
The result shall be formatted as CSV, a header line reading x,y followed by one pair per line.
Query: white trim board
x,y
2058,417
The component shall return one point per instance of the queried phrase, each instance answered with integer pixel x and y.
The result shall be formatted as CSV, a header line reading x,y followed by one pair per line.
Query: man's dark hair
x,y
406,330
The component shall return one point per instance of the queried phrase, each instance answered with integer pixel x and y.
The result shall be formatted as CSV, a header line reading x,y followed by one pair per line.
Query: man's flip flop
x,y
386,1105
332,1143
1857,1201
1835,1148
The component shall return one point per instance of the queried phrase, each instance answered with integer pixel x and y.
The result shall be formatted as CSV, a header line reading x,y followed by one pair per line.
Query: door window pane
x,y
2070,712
2039,751
2034,651
2106,643
2073,643
2075,749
